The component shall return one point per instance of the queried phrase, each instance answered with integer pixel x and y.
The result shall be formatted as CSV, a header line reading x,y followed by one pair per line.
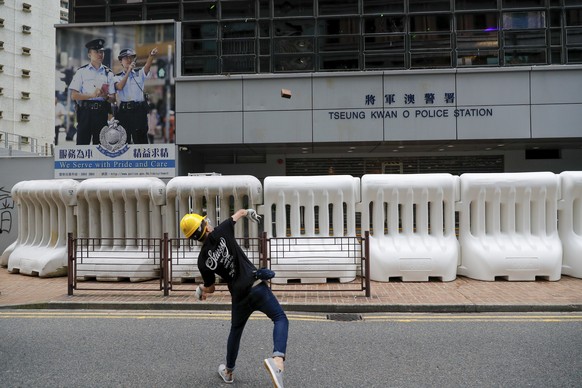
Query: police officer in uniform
x,y
91,91
129,85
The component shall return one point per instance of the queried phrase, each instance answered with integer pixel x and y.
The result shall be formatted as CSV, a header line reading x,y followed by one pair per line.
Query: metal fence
x,y
162,264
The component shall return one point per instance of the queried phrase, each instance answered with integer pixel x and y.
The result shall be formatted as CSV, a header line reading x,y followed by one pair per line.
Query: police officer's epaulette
x,y
119,74
107,70
82,67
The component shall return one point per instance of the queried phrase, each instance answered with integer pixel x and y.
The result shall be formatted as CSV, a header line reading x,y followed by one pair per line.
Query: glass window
x,y
124,2
430,41
293,45
238,64
556,56
334,7
555,18
556,37
574,36
264,65
203,10
383,6
293,63
339,43
524,20
126,13
200,31
80,3
339,62
238,46
384,61
425,60
264,46
384,43
199,65
237,9
477,58
475,4
477,40
429,6
524,38
295,27
516,57
574,55
200,47
383,24
568,3
285,8
264,8
338,26
161,12
264,28
477,21
425,23
522,3
574,17
89,14
238,29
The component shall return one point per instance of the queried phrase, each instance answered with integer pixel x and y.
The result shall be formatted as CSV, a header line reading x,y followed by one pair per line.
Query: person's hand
x,y
253,216
154,52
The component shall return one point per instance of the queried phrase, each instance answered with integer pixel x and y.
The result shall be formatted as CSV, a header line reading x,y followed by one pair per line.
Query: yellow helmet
x,y
193,226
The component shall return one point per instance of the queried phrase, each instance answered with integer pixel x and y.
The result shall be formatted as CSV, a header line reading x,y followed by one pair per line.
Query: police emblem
x,y
113,136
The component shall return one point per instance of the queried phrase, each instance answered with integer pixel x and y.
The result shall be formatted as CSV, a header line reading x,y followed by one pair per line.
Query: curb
x,y
314,308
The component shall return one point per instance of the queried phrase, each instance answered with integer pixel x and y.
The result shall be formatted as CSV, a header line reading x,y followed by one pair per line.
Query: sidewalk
x,y
462,295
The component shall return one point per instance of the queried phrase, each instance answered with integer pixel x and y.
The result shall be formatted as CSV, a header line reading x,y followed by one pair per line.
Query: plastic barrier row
x,y
508,223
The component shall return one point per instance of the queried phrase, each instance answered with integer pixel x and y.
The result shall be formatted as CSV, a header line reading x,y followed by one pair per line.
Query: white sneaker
x,y
228,378
275,373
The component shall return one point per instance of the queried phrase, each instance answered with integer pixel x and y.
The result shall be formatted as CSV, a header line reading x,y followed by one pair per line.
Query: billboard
x,y
114,92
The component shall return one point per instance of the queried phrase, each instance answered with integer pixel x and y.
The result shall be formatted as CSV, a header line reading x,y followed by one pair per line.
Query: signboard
x,y
131,160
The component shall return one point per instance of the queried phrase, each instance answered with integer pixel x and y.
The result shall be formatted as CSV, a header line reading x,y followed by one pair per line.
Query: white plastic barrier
x,y
412,228
570,222
302,205
508,226
216,196
45,214
118,214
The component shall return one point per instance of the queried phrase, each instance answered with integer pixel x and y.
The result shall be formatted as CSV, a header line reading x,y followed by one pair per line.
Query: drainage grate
x,y
344,317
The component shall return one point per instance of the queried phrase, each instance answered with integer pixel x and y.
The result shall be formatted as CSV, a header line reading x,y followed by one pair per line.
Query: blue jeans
x,y
260,298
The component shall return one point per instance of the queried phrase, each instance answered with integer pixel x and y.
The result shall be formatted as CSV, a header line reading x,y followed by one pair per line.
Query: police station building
x,y
295,87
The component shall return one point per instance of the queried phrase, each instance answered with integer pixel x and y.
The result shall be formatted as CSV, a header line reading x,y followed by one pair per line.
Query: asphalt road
x,y
84,348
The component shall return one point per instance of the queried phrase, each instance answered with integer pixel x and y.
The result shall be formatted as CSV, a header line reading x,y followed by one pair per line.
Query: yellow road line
x,y
47,314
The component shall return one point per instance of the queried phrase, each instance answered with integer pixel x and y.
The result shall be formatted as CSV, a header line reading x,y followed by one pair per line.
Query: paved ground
x,y
460,295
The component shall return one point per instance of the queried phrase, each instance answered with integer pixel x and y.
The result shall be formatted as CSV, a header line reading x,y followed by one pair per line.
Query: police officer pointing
x,y
129,85
90,90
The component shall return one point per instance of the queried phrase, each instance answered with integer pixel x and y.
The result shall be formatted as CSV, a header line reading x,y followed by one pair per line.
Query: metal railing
x,y
163,264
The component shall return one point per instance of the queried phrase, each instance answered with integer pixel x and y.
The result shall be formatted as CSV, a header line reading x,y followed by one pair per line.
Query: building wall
x,y
34,132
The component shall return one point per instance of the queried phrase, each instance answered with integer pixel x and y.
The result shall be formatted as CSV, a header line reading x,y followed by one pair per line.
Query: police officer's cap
x,y
95,44
126,53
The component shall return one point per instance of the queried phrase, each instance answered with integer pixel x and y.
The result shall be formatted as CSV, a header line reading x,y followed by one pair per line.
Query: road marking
x,y
473,318
225,316
49,314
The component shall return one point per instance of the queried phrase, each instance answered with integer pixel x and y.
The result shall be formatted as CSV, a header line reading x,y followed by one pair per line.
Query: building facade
x,y
27,76
376,86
